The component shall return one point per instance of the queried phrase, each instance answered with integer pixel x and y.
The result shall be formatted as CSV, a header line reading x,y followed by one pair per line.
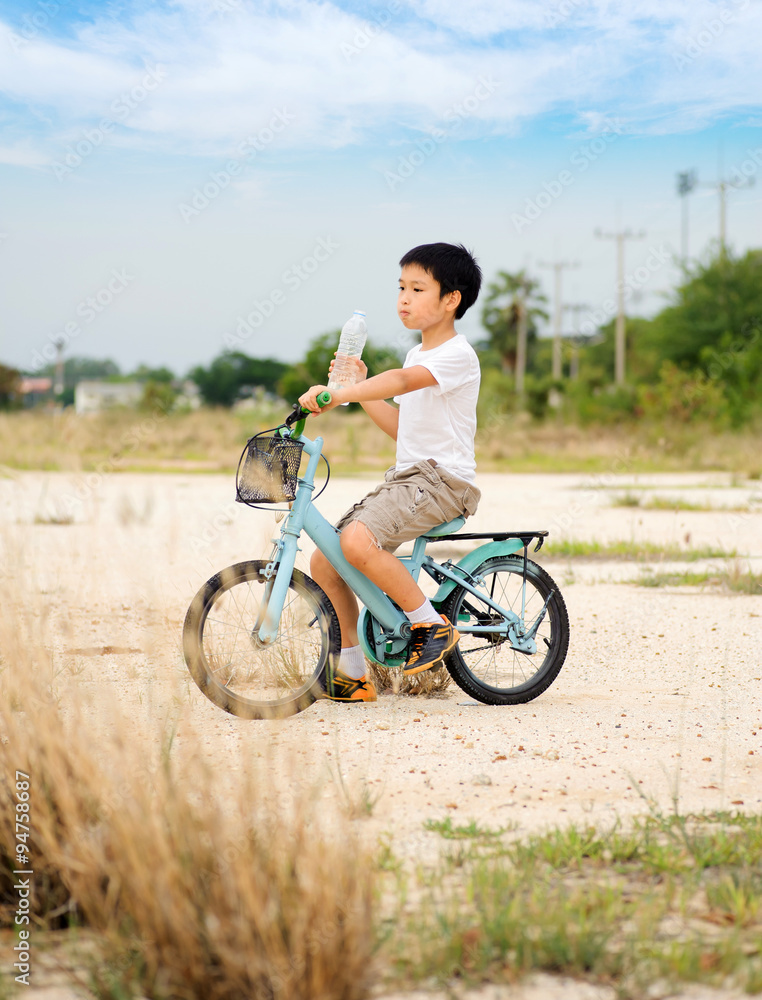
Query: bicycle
x,y
260,635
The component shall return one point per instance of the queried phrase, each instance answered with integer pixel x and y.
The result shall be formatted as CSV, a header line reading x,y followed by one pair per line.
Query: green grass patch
x,y
469,831
631,551
675,899
630,499
733,578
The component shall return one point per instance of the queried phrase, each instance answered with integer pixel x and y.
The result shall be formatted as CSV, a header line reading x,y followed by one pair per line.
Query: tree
x,y
144,373
500,315
313,369
78,368
715,327
9,386
717,309
231,373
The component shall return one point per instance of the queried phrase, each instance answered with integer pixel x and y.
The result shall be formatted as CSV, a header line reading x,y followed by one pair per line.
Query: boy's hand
x,y
309,401
361,369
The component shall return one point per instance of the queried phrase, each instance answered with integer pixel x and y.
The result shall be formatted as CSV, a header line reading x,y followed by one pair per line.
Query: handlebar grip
x,y
299,414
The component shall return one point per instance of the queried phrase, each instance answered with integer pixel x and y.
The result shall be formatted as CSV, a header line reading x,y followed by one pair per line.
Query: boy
x,y
433,478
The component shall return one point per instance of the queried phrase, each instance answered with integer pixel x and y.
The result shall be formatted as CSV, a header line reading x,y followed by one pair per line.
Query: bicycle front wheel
x,y
234,669
484,664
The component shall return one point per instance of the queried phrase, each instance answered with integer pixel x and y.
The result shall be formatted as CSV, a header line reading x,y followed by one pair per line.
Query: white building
x,y
93,397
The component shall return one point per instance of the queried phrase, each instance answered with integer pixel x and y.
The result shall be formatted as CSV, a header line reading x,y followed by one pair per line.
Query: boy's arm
x,y
395,382
383,415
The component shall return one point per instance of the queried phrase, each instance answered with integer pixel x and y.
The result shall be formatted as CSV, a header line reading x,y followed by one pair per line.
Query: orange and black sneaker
x,y
339,687
429,645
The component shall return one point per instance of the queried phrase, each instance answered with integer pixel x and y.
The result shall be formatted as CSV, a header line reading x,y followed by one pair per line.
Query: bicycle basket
x,y
268,469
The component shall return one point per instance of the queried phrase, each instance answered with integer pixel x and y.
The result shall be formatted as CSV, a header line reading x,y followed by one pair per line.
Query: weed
x,y
627,499
196,885
672,898
569,548
359,801
445,828
733,578
672,503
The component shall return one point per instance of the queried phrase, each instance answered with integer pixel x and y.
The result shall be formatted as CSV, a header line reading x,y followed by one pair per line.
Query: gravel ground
x,y
659,700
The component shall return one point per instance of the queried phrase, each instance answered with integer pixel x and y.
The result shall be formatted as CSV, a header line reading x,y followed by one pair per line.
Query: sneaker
x,y
339,687
429,645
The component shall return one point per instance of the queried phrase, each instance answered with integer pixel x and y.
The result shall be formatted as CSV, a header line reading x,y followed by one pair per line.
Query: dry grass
x,y
198,883
392,679
211,440
206,441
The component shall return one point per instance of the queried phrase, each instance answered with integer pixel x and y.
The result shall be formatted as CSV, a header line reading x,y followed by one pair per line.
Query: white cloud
x,y
22,154
232,64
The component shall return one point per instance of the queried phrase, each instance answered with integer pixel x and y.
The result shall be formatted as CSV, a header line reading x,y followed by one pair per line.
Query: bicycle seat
x,y
448,528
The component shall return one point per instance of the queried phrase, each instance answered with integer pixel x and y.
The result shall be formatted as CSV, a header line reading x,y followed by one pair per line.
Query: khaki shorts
x,y
410,503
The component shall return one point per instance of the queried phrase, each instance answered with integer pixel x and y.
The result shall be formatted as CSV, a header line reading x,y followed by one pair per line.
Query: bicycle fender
x,y
474,559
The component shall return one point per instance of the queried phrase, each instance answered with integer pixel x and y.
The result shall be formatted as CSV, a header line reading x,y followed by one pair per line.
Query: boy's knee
x,y
358,542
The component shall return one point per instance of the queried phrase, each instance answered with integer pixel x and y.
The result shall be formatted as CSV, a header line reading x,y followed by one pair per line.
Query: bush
x,y
683,397
595,404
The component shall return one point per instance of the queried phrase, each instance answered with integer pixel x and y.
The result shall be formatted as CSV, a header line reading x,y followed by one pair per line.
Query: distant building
x,y
189,397
94,397
35,390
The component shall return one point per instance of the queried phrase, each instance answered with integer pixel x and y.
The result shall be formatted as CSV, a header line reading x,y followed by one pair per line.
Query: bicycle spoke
x,y
495,662
249,669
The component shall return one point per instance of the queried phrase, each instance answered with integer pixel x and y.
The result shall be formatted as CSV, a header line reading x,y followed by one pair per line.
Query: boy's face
x,y
418,303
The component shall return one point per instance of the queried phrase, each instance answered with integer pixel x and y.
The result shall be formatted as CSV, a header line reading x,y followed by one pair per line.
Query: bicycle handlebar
x,y
300,413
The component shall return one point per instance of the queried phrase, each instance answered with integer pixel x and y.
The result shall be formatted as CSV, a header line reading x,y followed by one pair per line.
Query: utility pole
x,y
577,307
722,186
58,384
686,182
558,308
619,340
521,339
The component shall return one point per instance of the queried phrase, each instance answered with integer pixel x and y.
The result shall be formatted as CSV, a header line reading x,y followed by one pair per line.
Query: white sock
x,y
424,615
352,662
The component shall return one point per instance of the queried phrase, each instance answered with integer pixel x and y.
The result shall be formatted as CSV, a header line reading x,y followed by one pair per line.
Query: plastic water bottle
x,y
353,336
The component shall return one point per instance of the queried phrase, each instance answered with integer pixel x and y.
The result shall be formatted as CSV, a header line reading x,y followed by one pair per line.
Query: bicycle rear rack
x,y
497,536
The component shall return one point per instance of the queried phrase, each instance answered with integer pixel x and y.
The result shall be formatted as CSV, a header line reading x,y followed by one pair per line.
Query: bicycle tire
x,y
233,669
486,666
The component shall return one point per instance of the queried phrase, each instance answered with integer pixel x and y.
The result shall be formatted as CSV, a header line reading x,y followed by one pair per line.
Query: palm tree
x,y
502,312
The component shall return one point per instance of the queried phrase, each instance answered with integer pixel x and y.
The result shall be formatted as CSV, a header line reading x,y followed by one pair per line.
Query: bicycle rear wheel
x,y
485,665
229,663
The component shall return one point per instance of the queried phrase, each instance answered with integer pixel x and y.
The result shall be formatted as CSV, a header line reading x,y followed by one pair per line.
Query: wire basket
x,y
268,469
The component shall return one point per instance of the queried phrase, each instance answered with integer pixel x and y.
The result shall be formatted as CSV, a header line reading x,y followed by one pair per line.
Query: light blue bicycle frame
x,y
395,627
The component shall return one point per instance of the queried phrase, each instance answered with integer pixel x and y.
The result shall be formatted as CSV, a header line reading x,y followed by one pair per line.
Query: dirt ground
x,y
659,701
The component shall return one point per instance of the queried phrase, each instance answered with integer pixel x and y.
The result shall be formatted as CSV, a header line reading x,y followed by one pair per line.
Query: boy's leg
x,y
359,545
433,637
340,594
348,682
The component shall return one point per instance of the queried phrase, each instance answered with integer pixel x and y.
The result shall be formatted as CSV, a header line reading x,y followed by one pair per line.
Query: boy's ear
x,y
453,300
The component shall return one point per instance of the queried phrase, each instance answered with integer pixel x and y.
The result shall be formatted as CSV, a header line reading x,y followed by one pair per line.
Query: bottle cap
x,y
359,312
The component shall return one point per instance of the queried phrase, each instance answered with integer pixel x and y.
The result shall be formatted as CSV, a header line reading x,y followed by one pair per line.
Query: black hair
x,y
453,267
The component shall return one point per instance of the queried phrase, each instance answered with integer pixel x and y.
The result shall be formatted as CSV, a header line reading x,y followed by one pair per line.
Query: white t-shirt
x,y
439,421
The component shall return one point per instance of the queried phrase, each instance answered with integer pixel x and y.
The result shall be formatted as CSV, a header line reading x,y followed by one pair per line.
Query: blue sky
x,y
180,177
